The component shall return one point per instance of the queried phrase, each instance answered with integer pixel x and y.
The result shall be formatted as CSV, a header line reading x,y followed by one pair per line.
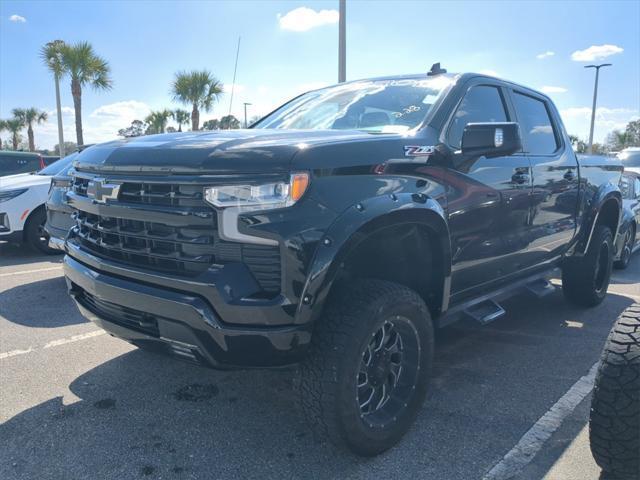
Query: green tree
x,y
136,129
199,89
578,145
29,116
633,130
229,122
181,117
157,121
68,147
3,127
84,67
618,140
15,126
212,124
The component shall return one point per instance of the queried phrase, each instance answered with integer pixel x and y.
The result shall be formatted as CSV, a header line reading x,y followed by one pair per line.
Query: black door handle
x,y
569,175
520,178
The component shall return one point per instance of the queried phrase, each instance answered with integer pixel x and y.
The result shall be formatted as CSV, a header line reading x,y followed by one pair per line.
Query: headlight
x,y
259,197
10,194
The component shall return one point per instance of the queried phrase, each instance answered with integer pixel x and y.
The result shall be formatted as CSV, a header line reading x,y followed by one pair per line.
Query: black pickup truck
x,y
337,233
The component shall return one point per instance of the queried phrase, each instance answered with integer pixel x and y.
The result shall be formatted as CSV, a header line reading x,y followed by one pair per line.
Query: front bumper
x,y
179,323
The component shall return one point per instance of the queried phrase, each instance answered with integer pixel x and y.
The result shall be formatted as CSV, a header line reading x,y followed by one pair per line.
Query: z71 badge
x,y
418,150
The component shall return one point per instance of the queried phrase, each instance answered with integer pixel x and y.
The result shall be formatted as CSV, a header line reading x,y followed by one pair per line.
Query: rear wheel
x,y
627,248
585,280
614,423
36,236
366,376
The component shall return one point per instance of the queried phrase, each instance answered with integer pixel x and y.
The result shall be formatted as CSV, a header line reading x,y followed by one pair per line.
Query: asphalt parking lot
x,y
76,403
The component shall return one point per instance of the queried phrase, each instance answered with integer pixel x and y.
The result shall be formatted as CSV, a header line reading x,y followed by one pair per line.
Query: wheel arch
x,y
604,209
30,217
367,223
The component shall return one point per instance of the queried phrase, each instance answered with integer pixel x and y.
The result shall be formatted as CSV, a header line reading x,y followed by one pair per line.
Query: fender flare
x,y
355,225
592,209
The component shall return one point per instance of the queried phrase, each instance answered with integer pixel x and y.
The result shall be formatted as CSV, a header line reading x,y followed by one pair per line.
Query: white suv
x,y
630,158
22,206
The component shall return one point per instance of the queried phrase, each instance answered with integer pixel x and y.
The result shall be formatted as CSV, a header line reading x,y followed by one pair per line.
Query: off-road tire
x,y
629,244
327,380
585,279
614,424
33,233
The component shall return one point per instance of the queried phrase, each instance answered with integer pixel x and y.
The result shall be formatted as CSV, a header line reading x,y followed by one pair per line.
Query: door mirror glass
x,y
491,139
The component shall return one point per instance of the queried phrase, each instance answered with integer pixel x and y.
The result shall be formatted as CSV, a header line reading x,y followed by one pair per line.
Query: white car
x,y
22,206
630,158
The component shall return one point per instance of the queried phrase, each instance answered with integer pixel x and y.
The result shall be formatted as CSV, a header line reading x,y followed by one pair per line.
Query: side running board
x,y
485,312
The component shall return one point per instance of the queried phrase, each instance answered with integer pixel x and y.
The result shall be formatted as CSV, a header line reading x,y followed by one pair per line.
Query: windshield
x,y
378,106
630,158
57,166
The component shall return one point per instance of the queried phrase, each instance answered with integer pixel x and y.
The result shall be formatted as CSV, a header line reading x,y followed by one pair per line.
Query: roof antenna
x,y
436,70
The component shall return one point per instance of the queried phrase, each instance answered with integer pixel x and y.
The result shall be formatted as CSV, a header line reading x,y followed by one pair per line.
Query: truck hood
x,y
23,180
217,152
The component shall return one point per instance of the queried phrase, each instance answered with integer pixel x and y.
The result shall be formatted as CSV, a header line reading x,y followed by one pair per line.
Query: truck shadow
x,y
631,274
41,304
140,415
19,254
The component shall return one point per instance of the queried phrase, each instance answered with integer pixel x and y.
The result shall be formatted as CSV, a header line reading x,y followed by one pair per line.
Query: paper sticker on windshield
x,y
418,150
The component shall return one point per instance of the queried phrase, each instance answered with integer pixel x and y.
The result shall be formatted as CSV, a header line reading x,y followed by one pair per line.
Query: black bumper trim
x,y
187,327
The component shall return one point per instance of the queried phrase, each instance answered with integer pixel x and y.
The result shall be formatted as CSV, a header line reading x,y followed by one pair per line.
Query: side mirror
x,y
491,139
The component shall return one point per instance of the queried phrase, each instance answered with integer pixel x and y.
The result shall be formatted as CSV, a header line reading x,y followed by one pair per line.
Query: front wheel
x,y
627,249
36,236
366,377
585,280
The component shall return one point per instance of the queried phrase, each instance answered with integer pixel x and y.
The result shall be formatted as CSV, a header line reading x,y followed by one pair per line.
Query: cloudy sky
x,y
290,46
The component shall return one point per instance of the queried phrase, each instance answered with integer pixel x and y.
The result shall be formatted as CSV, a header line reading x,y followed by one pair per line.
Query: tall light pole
x,y
593,108
342,42
245,114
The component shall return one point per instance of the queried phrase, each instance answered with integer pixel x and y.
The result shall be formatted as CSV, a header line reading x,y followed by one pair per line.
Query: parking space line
x,y
54,343
534,439
24,272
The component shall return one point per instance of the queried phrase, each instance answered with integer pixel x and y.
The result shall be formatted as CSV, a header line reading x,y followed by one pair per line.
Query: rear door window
x,y
481,103
536,127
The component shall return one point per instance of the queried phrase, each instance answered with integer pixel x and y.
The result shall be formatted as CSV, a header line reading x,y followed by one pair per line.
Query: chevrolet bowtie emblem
x,y
101,191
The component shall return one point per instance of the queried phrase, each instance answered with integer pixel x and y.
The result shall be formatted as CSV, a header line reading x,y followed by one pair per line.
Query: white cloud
x,y
303,18
595,52
546,54
307,87
101,125
238,88
551,89
17,19
491,73
578,119
66,111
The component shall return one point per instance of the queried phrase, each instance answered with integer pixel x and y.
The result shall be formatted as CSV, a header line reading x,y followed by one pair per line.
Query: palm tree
x,y
181,117
51,55
158,121
3,127
84,67
229,122
29,116
14,126
200,89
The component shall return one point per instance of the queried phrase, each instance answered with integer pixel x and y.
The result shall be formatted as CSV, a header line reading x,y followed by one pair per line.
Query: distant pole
x,y
593,108
245,114
342,42
235,69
